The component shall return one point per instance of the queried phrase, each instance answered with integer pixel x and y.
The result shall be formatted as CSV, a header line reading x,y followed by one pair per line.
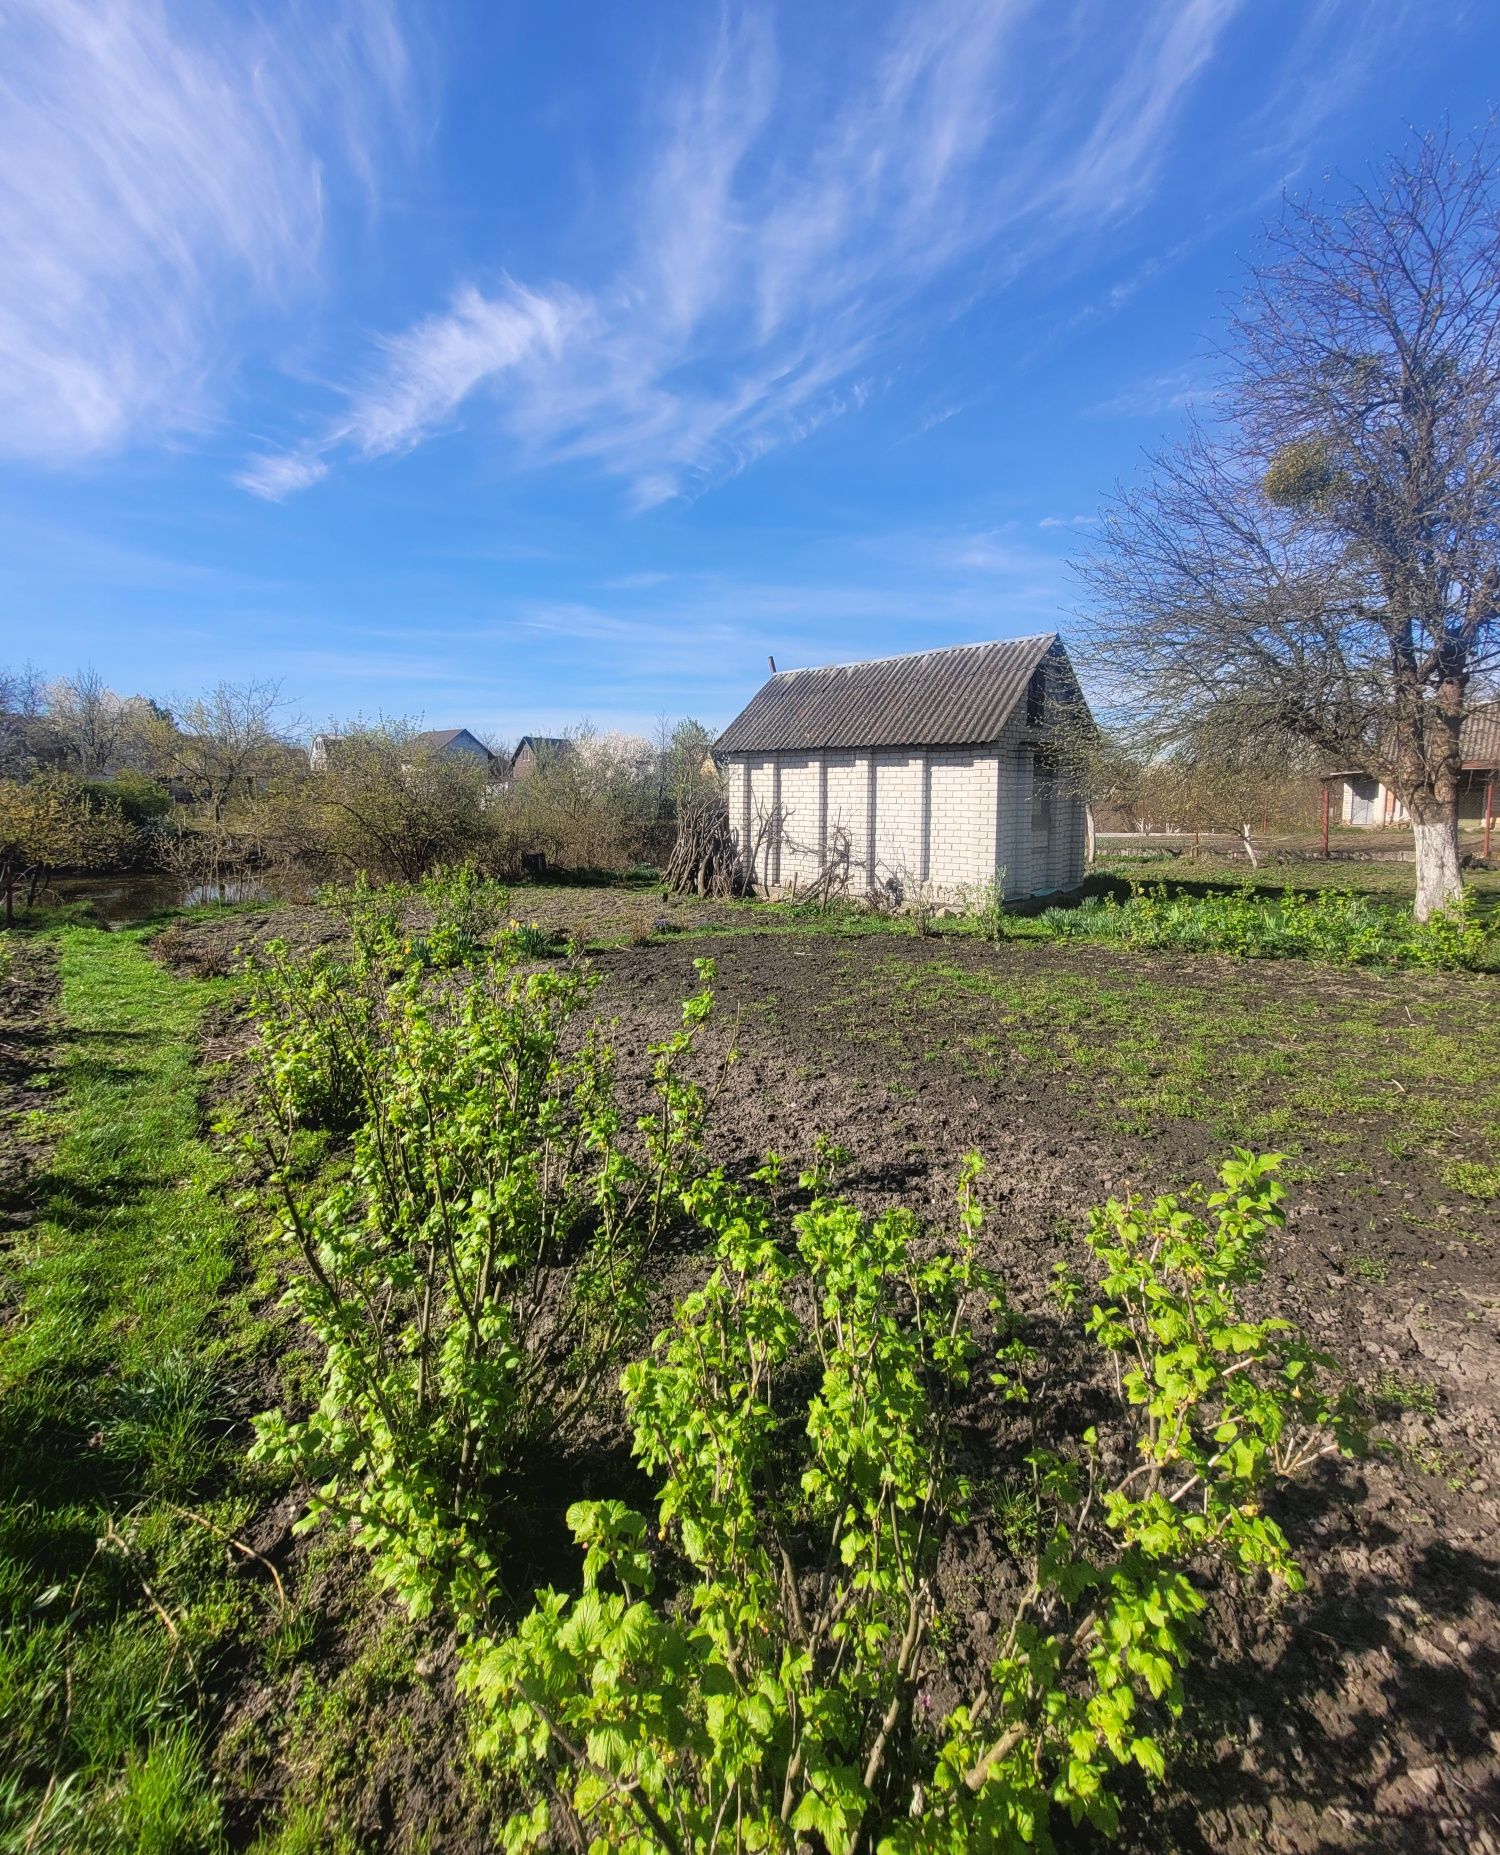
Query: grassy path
x,y
113,1608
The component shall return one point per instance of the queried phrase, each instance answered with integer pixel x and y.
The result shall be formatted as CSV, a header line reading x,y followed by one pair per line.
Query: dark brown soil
x,y
211,946
208,946
28,1002
1362,1714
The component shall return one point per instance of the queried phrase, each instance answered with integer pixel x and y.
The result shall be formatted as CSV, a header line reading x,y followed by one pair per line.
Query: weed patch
x,y
1336,927
1473,1178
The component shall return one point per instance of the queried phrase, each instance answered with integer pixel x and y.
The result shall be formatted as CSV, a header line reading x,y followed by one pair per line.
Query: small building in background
x,y
1366,802
535,751
930,774
452,744
449,743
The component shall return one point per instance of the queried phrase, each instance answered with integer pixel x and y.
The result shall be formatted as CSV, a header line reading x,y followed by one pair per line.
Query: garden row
x,y
770,1655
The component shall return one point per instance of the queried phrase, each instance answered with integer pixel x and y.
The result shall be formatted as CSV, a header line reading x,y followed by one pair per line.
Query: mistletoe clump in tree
x,y
1318,565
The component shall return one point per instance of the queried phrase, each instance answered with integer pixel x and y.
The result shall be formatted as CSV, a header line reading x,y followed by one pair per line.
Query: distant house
x,y
1364,801
452,744
535,751
449,743
937,771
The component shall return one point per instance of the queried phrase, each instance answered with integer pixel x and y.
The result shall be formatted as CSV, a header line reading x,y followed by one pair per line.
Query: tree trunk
x,y
1434,829
1429,757
1249,847
1088,834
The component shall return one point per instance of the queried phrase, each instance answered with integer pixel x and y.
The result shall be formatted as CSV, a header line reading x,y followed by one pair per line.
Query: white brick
x,y
946,819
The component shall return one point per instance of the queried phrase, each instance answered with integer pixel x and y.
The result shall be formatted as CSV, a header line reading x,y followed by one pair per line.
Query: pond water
x,y
122,900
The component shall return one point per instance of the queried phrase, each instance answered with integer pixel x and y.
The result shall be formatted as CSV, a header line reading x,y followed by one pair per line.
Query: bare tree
x,y
96,727
1320,563
22,728
222,743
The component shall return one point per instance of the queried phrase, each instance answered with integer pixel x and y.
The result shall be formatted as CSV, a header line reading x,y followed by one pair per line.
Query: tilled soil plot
x,y
211,945
28,1001
1363,1713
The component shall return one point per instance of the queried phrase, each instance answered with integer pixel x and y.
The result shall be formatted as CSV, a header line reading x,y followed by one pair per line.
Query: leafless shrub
x,y
831,884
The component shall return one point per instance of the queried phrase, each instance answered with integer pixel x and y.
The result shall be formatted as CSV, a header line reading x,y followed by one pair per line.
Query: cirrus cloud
x,y
164,167
788,239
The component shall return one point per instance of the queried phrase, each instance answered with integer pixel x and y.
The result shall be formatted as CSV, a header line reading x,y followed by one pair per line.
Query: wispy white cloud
x,y
1159,395
1118,162
989,553
163,167
427,372
787,237
279,475
423,376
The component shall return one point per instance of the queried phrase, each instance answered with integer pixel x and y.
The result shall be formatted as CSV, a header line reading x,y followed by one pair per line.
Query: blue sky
x,y
500,365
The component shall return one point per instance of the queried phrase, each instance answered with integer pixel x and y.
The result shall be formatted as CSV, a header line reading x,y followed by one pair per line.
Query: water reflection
x,y
123,900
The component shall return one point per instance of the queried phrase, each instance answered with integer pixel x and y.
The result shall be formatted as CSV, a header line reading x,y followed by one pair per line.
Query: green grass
x,y
1473,1178
1141,1041
1384,878
1396,1391
1332,927
1344,913
125,1621
114,1610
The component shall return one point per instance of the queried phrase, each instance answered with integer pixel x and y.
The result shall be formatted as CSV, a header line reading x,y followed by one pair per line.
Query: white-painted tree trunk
x,y
1249,847
1088,834
1439,884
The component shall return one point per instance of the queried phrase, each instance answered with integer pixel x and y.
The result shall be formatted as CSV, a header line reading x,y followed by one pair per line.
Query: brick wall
x,y
802,828
899,820
948,820
847,778
964,789
763,795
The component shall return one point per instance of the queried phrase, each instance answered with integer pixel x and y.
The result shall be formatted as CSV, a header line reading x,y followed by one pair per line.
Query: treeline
x,y
1136,787
387,805
218,788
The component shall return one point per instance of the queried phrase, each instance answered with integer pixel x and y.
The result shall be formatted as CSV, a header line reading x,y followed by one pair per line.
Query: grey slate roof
x,y
434,739
960,697
1479,738
1478,743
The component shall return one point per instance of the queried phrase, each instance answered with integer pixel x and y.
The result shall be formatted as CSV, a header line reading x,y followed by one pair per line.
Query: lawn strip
x,y
116,1609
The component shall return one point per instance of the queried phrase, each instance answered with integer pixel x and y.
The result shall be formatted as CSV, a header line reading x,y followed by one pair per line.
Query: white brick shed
x,y
938,770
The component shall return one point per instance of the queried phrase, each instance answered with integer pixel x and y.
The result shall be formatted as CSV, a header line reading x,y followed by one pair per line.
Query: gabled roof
x,y
960,697
542,745
434,740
